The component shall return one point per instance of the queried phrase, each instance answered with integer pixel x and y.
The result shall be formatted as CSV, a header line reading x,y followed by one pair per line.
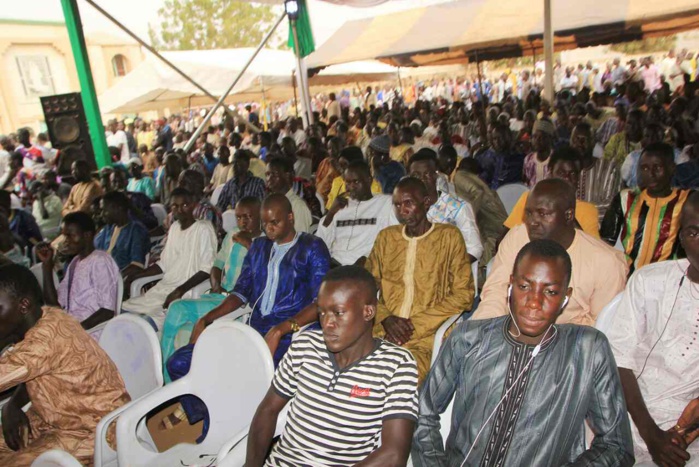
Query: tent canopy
x,y
454,32
152,85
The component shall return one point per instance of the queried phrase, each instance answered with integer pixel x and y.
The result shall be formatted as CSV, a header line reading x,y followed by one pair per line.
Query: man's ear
x,y
369,312
24,305
570,215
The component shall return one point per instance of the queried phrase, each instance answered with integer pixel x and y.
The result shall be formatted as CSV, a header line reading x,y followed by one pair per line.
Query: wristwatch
x,y
294,325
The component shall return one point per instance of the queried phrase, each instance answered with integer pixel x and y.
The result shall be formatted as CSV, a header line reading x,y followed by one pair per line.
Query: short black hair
x,y
412,183
469,164
282,163
566,153
351,153
360,167
5,200
547,249
117,198
242,155
20,282
424,154
355,274
249,201
447,150
80,219
183,192
661,150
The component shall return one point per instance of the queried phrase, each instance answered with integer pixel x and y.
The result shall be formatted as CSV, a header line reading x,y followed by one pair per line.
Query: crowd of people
x,y
359,236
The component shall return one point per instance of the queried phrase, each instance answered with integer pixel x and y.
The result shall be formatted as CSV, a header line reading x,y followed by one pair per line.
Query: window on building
x,y
119,65
35,72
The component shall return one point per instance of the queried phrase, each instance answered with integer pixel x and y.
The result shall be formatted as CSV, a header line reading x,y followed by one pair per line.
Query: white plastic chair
x,y
231,371
606,316
229,220
439,335
474,274
160,212
138,284
216,194
233,453
509,194
56,458
39,274
133,346
322,203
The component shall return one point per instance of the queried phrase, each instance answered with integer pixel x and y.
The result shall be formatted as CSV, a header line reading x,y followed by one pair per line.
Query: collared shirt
x,y
81,197
535,170
302,215
143,185
24,225
127,245
273,276
658,312
350,402
452,210
233,190
534,425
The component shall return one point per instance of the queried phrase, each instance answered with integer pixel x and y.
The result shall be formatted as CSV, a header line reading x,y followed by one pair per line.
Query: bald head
x,y
277,201
415,185
557,190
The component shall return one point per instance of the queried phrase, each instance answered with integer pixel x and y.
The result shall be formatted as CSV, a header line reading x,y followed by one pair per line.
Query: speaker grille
x,y
66,128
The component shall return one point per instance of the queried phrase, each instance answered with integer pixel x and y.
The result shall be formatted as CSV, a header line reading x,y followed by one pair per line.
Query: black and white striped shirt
x,y
336,415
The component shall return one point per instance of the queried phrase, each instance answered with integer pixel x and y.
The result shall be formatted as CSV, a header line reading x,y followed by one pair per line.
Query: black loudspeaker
x,y
65,118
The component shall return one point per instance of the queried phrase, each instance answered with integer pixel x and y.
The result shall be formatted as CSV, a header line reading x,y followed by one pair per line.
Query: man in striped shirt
x,y
347,390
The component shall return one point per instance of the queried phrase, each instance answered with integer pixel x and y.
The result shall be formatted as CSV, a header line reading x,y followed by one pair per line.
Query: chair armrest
x,y
105,455
232,453
242,312
138,284
201,289
439,335
98,327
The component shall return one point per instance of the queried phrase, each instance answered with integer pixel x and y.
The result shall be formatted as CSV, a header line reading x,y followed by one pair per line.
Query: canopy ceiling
x,y
455,32
152,85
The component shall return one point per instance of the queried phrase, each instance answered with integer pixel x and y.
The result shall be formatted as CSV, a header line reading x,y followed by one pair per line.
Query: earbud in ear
x,y
509,292
565,302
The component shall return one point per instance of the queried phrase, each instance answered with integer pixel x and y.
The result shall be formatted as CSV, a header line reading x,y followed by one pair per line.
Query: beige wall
x,y
42,51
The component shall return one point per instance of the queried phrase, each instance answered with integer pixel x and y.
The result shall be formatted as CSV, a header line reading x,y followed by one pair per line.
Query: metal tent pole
x,y
300,72
150,49
87,84
548,52
211,112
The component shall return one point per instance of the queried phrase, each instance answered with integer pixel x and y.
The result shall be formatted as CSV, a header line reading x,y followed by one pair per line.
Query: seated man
x,y
71,381
564,163
22,224
348,364
9,247
280,177
84,191
423,272
140,208
599,271
88,292
486,204
183,314
126,240
529,411
138,182
653,336
353,222
446,208
347,156
185,261
242,184
386,171
46,209
648,220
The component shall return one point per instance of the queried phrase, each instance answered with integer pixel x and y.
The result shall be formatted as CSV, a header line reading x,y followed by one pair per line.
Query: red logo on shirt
x,y
360,392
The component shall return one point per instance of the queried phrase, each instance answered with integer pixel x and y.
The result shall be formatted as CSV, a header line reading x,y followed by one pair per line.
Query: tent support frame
x,y
548,52
218,104
150,49
302,77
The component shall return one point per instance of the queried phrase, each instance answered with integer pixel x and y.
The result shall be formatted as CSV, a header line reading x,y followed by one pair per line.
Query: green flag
x,y
305,33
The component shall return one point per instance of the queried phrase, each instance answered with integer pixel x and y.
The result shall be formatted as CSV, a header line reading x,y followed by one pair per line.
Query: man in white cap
x,y
138,183
536,164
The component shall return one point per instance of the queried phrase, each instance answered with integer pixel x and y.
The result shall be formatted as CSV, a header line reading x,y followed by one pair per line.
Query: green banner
x,y
303,28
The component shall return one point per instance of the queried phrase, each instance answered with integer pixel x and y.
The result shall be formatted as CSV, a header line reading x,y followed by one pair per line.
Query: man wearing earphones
x,y
653,335
523,387
599,271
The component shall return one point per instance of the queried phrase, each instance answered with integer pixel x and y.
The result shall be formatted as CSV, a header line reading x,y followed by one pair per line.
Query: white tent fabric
x,y
154,86
452,32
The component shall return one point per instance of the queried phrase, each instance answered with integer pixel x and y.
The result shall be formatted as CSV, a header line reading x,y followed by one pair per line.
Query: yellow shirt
x,y
338,187
586,215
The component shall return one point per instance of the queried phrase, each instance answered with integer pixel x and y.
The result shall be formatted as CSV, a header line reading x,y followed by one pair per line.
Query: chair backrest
x,y
606,316
133,346
160,212
216,195
120,294
39,274
489,267
509,194
229,220
56,458
241,351
474,274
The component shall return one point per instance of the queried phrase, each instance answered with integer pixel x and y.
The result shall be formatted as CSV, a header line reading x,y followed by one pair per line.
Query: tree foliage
x,y
650,45
210,24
